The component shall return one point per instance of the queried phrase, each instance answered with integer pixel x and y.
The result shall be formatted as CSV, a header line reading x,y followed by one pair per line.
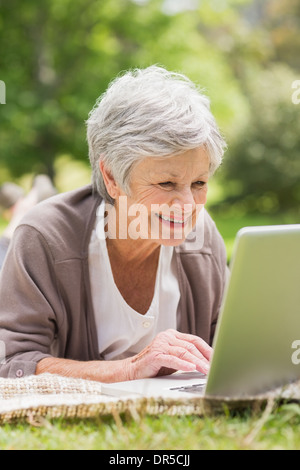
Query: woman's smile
x,y
171,191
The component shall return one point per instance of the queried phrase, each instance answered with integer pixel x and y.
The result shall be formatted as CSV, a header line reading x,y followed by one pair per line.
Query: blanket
x,y
52,396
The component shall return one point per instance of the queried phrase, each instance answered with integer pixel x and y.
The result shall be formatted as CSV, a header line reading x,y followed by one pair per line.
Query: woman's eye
x,y
200,184
169,184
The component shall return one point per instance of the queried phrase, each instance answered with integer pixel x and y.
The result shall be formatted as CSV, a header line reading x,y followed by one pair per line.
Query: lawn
x,y
229,224
271,430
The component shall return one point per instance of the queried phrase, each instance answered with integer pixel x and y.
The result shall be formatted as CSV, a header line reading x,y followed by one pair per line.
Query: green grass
x,y
278,429
235,218
229,224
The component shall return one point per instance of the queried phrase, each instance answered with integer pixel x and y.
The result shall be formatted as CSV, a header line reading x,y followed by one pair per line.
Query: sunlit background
x,y
58,56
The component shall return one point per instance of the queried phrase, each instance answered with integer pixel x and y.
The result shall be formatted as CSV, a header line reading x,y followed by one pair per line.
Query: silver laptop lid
x,y
259,321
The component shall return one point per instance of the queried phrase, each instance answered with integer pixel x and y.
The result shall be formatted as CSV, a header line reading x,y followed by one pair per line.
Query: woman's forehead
x,y
175,166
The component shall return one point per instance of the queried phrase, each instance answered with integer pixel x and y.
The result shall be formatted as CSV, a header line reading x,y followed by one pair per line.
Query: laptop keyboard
x,y
196,388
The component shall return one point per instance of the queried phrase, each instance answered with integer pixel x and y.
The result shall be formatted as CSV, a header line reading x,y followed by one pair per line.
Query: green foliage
x,y
58,56
265,163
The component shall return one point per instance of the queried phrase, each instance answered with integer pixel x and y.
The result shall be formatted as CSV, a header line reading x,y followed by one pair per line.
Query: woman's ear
x,y
110,183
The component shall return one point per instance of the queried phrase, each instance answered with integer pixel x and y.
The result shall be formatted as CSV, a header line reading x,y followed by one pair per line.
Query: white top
x,y
122,331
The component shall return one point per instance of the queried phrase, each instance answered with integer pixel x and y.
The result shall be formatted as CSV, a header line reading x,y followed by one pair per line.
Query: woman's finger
x,y
198,342
192,349
201,364
172,362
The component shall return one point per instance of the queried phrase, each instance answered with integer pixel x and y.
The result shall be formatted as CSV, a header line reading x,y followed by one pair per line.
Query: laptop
x,y
257,338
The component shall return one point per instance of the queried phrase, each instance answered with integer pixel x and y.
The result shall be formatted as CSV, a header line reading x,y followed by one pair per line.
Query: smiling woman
x,y
169,193
111,287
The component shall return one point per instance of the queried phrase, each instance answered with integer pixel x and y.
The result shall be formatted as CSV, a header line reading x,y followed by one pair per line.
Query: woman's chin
x,y
171,241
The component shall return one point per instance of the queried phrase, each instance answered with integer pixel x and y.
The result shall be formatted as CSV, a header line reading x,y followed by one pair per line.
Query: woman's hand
x,y
168,352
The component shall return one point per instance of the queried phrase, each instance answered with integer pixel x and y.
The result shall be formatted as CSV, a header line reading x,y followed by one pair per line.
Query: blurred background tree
x,y
263,163
58,56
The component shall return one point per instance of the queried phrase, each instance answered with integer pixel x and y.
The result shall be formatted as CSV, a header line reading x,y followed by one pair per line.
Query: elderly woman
x,y
123,279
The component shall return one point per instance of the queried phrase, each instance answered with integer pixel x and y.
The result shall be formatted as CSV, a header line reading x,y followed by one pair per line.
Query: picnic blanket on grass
x,y
53,396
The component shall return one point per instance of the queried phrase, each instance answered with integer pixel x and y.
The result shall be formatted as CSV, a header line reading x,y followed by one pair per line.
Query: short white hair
x,y
149,112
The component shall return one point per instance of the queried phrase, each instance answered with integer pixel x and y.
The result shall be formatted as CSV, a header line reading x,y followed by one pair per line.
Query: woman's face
x,y
166,197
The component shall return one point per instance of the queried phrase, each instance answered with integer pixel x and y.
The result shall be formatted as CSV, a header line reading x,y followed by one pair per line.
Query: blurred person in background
x,y
10,195
14,204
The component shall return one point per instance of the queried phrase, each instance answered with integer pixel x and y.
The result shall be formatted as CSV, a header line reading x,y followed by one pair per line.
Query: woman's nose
x,y
184,197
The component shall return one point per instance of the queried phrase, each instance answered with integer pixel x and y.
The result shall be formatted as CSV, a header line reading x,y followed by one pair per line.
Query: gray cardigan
x,y
45,296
